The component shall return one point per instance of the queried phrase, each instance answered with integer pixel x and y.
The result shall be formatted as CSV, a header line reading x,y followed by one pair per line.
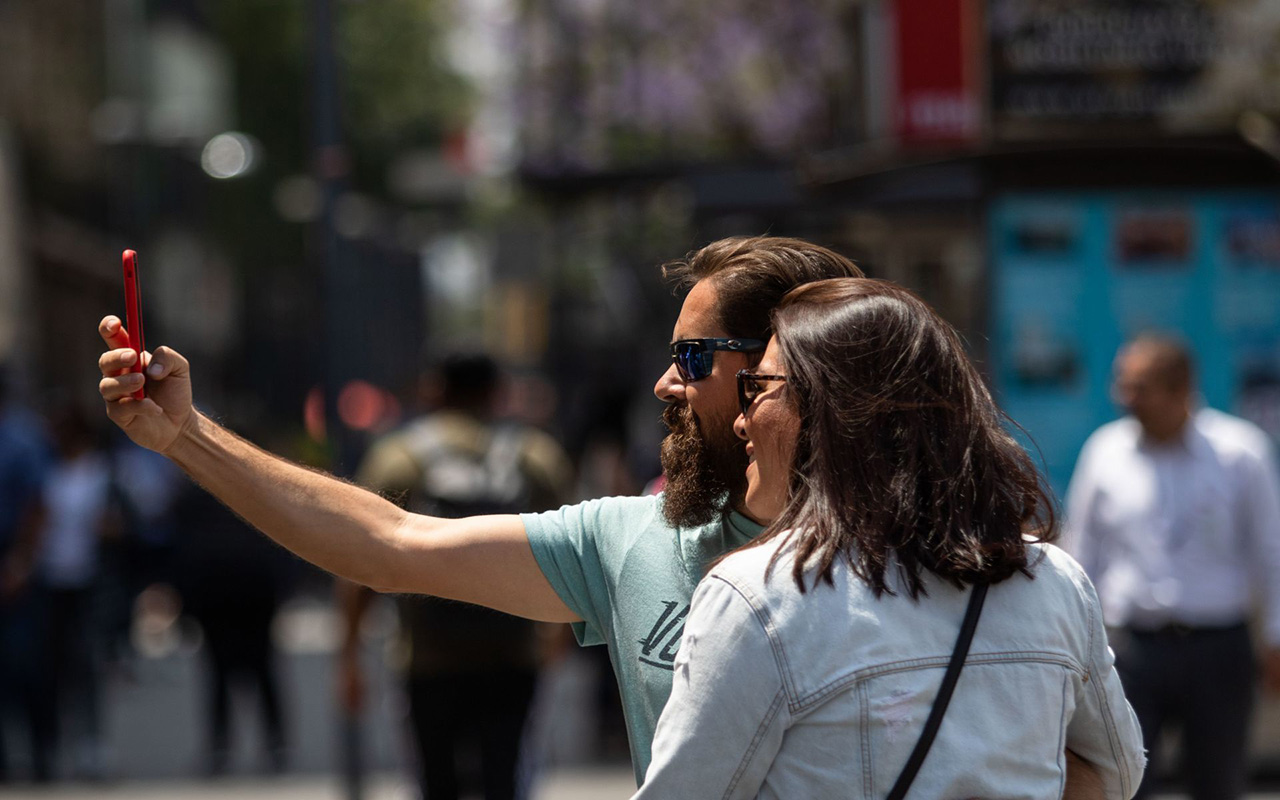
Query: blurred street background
x,y
326,194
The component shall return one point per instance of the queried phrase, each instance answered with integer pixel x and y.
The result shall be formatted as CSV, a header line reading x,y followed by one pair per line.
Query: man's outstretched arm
x,y
333,524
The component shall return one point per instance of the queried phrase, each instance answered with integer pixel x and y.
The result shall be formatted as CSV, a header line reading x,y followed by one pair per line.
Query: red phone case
x,y
133,313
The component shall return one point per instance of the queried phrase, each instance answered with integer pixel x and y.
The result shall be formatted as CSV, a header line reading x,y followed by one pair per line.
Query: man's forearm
x,y
331,523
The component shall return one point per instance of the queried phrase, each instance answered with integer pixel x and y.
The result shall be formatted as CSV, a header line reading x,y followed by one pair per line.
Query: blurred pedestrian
x,y
25,690
137,554
469,671
1175,514
231,581
77,499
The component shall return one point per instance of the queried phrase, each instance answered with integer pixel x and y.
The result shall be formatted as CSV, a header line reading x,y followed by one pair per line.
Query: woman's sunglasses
x,y
749,387
694,358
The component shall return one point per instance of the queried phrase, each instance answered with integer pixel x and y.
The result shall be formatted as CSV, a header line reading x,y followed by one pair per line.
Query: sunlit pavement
x,y
577,784
154,723
584,784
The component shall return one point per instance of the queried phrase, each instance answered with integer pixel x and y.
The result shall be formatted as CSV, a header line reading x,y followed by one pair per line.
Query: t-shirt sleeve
x,y
566,544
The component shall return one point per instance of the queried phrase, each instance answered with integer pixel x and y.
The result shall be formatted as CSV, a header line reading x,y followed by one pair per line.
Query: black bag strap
x,y
940,703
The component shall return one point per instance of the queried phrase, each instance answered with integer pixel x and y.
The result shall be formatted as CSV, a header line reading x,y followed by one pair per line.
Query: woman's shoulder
x,y
1055,578
1052,563
761,575
754,564
764,573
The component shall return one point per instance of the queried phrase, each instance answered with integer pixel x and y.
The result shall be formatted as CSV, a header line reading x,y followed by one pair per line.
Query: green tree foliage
x,y
396,87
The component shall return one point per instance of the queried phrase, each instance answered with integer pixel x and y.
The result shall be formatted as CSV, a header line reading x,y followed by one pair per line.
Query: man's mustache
x,y
678,419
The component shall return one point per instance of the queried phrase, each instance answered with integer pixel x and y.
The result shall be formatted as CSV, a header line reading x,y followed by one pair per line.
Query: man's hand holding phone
x,y
154,416
158,420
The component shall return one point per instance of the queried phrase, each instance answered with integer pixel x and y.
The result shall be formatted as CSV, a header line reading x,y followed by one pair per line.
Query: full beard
x,y
706,471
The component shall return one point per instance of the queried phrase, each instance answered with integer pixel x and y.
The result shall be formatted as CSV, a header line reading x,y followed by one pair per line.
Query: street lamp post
x,y
329,164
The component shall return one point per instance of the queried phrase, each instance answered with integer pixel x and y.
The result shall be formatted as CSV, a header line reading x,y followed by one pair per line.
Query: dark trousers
x,y
239,648
1201,680
26,688
484,708
72,664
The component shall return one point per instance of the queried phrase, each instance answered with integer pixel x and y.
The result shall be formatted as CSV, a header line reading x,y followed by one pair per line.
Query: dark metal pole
x,y
330,168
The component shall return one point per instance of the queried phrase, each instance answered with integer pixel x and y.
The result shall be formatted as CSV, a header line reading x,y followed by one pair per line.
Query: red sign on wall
x,y
937,98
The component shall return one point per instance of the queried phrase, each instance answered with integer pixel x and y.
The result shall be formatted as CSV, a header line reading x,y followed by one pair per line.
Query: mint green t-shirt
x,y
630,576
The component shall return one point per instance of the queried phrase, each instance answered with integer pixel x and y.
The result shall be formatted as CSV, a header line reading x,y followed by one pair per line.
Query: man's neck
x,y
1170,434
741,508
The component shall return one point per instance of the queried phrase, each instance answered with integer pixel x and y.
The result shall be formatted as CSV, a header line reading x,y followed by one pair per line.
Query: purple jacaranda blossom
x,y
671,80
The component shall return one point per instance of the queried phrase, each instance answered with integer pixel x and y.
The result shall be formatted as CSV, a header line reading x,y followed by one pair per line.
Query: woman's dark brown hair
x,y
902,459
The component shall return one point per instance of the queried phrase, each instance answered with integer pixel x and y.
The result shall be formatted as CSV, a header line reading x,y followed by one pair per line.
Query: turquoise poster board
x,y
1076,274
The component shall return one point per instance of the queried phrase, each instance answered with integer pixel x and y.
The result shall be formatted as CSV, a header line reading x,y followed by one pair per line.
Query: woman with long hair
x,y
904,619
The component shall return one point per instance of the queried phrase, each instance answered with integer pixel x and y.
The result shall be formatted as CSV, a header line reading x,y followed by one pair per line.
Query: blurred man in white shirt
x,y
1175,514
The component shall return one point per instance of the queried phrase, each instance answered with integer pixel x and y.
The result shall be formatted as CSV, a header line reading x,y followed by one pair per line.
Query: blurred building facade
x,y
1054,177
519,175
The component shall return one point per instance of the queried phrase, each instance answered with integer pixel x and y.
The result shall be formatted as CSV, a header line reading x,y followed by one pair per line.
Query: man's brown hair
x,y
752,273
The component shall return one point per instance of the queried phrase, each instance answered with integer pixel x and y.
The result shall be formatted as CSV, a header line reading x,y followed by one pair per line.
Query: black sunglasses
x,y
694,358
749,387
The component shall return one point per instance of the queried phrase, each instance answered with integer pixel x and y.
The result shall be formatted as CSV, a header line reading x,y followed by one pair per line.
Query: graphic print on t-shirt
x,y
659,648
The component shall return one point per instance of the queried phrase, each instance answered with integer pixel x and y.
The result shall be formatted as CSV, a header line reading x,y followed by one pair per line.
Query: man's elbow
x,y
390,567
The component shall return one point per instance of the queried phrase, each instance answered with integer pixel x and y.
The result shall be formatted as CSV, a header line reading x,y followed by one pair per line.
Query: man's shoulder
x,y
445,423
632,508
638,513
408,433
1121,433
1232,436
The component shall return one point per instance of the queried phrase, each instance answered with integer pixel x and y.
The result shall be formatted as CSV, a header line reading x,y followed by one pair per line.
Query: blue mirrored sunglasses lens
x,y
689,361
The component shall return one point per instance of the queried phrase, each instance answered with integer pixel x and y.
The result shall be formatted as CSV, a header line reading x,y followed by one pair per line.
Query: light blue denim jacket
x,y
780,694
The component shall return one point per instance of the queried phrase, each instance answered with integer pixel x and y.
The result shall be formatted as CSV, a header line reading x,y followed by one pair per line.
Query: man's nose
x,y
670,387
740,427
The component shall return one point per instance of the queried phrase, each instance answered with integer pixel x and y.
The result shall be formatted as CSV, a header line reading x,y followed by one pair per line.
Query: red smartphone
x,y
133,313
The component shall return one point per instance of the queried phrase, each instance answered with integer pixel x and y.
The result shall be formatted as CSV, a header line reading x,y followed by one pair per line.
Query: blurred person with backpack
x,y
468,671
